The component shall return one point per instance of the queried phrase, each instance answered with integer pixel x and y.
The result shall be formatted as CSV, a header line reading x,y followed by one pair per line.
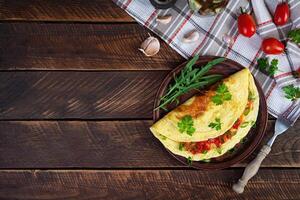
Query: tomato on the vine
x,y
246,24
282,14
272,46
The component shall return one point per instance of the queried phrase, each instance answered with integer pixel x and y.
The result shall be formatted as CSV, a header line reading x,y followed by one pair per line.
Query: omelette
x,y
213,128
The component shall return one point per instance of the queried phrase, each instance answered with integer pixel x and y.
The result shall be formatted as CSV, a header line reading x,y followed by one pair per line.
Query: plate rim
x,y
236,159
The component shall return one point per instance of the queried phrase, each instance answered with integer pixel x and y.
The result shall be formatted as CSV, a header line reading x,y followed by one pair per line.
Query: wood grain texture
x,y
67,10
146,184
47,46
78,95
108,144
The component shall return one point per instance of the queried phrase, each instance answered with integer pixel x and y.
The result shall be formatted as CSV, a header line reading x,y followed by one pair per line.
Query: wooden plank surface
x,y
80,95
108,144
146,184
64,35
47,46
66,10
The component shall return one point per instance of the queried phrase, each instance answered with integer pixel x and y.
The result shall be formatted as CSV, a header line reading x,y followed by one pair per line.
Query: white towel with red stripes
x,y
214,33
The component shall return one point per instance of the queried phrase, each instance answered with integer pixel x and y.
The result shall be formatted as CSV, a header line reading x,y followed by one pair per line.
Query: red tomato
x,y
237,123
250,104
218,142
297,73
246,24
282,14
272,46
206,146
226,137
200,146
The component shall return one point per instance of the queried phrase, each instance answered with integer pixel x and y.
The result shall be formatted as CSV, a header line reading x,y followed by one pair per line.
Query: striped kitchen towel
x,y
219,36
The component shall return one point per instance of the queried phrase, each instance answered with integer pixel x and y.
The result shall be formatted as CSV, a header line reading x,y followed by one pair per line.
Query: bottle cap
x,y
162,4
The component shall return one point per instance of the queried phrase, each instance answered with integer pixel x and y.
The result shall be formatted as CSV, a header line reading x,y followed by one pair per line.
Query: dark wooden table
x,y
76,101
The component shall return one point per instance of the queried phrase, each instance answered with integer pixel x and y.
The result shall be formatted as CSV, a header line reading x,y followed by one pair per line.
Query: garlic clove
x,y
150,46
190,37
164,19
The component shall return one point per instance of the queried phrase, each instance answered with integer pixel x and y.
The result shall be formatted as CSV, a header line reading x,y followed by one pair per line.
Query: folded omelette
x,y
216,128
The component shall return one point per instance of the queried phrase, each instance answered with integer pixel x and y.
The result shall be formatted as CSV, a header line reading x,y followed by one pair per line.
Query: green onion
x,y
190,78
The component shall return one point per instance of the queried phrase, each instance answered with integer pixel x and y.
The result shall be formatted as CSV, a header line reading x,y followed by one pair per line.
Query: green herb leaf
x,y
244,140
190,130
222,94
244,124
251,96
163,137
291,92
232,150
190,78
294,36
216,125
217,99
274,62
270,68
204,152
246,111
186,125
253,124
222,88
189,161
273,68
219,150
263,63
181,145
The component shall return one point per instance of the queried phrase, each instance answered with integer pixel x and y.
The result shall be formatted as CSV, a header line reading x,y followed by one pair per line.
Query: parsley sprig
x,y
245,124
294,36
216,125
190,78
222,94
291,92
186,124
264,65
189,161
181,146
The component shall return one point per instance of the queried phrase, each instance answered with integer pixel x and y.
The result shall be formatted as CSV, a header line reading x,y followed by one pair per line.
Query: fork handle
x,y
251,169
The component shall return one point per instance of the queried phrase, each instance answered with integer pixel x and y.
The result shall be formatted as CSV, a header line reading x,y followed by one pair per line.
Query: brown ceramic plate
x,y
253,138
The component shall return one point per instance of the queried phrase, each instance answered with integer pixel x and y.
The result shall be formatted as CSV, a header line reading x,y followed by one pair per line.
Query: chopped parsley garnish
x,y
294,36
186,124
222,94
244,124
263,63
247,111
216,125
253,124
219,150
204,152
232,150
291,92
163,137
189,160
270,68
244,140
273,68
181,146
251,96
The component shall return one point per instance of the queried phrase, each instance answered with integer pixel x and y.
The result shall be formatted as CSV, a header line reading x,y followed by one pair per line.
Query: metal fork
x,y
251,169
